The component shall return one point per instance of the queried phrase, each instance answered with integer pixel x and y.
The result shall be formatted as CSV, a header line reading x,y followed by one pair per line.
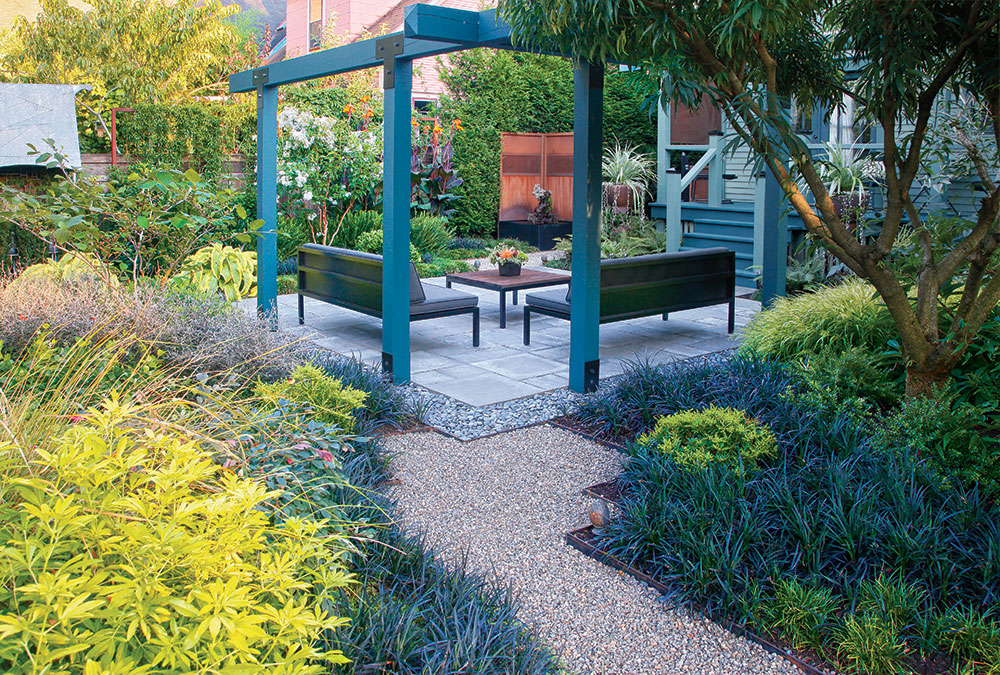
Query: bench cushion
x,y
353,277
554,300
439,299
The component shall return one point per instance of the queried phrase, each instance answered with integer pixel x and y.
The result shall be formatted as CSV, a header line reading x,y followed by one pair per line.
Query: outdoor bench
x,y
353,280
650,284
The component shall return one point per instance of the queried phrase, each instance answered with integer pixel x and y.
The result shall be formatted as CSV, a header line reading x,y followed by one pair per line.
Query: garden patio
x,y
502,368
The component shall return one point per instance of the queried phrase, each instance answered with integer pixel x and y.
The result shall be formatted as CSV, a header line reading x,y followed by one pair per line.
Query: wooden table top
x,y
492,279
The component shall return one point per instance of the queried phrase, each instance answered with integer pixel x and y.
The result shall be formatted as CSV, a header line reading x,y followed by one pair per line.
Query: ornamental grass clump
x,y
696,438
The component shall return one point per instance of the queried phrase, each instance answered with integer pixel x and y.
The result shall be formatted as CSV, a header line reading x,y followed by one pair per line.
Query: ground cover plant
x,y
287,482
865,552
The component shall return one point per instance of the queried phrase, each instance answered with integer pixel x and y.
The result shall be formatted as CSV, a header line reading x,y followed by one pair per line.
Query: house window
x,y
315,24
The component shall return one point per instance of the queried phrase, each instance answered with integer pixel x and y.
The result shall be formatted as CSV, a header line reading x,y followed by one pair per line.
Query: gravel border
x,y
502,505
467,422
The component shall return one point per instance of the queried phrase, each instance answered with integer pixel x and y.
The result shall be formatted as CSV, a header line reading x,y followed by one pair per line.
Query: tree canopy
x,y
895,59
130,50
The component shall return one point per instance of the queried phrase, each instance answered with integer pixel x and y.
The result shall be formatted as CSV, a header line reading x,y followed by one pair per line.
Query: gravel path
x,y
507,501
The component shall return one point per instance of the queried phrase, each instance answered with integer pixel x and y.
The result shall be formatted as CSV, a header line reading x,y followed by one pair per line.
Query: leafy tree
x,y
129,50
751,56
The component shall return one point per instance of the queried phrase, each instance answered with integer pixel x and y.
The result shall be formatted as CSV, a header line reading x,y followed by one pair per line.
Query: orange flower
x,y
414,123
437,128
426,128
458,125
366,98
348,109
508,253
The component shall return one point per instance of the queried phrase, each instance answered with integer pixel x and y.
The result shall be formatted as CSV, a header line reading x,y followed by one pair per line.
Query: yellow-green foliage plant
x,y
697,438
72,268
128,550
331,401
221,269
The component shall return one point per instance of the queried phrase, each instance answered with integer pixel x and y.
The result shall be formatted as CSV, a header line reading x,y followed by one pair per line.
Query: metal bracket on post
x,y
259,77
387,363
387,49
591,375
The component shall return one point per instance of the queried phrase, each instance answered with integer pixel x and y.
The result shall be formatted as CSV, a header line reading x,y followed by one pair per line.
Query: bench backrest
x,y
666,282
351,279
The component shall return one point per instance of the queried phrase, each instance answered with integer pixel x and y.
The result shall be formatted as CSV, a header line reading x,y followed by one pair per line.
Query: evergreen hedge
x,y
495,91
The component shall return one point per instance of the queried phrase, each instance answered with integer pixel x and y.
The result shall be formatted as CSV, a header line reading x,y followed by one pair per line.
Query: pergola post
x,y
267,198
585,310
772,233
398,84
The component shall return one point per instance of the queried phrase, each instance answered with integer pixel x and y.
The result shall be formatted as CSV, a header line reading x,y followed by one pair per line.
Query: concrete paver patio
x,y
502,368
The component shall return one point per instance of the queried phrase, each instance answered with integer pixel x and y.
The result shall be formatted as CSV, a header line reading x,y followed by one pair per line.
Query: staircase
x,y
728,225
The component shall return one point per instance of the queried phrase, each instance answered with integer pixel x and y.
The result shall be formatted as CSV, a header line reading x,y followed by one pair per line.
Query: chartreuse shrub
x,y
696,438
867,551
128,550
328,400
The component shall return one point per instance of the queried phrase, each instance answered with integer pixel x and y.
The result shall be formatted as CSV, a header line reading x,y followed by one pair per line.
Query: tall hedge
x,y
495,91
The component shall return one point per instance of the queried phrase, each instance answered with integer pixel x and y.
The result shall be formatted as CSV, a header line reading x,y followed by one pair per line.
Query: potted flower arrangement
x,y
508,260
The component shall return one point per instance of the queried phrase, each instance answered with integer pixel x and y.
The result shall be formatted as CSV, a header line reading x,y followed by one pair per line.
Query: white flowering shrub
x,y
327,165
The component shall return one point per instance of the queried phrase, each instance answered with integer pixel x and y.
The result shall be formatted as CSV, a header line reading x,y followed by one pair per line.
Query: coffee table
x,y
491,279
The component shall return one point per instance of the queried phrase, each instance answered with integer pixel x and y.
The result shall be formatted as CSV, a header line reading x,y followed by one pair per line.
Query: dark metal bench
x,y
353,280
651,284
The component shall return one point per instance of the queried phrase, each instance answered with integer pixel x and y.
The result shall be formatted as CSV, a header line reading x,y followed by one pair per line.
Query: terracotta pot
x,y
509,269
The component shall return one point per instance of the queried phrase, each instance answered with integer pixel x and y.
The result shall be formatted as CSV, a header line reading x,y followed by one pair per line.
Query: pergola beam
x,y
343,59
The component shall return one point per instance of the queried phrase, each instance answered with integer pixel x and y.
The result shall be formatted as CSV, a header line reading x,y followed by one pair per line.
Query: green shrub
x,y
371,242
288,283
494,91
438,267
950,433
430,234
329,400
220,269
836,378
800,613
697,438
129,550
835,318
869,645
74,268
354,225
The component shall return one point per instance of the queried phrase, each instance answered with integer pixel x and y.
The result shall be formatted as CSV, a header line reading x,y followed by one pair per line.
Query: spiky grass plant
x,y
623,164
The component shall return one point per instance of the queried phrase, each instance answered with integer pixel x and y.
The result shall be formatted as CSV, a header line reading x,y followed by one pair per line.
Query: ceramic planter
x,y
510,269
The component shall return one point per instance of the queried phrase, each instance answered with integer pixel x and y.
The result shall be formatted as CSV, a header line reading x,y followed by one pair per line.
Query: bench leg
x,y
475,327
732,315
302,314
503,309
665,315
515,296
527,325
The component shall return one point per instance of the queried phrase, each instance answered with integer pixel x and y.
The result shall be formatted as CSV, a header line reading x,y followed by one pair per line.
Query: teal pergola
x,y
430,30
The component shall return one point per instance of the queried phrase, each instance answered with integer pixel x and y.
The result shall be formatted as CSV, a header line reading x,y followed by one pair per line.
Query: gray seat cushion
x,y
439,299
554,300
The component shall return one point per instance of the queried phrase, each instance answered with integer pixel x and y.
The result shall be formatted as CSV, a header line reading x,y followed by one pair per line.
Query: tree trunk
x,y
926,380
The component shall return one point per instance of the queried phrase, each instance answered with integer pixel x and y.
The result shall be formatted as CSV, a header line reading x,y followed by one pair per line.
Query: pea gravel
x,y
503,503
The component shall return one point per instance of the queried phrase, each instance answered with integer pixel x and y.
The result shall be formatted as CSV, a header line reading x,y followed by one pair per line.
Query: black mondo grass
x,y
875,541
